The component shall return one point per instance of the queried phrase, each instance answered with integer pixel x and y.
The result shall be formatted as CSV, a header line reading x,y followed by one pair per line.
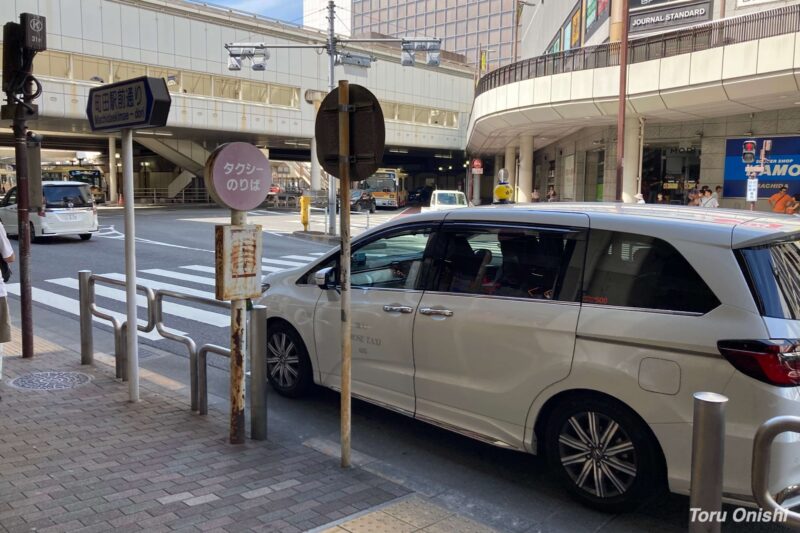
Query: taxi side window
x,y
511,262
630,270
394,261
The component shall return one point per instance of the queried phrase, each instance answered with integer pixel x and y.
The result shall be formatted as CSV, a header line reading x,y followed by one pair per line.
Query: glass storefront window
x,y
421,115
226,88
126,71
90,69
196,84
255,92
172,77
54,64
405,113
284,96
389,110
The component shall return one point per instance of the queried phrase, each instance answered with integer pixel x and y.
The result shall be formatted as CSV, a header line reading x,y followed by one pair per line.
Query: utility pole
x,y
331,86
258,53
623,90
21,43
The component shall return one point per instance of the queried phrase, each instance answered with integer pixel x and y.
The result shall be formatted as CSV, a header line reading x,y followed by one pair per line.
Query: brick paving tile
x,y
108,465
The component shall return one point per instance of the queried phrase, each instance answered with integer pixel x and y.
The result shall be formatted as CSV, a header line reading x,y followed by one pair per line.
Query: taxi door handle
x,y
435,312
398,309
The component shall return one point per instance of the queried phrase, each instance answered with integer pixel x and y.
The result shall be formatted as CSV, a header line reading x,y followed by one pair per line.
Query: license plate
x,y
70,218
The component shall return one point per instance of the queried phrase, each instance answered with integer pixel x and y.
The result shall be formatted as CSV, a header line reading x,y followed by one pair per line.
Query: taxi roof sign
x,y
136,103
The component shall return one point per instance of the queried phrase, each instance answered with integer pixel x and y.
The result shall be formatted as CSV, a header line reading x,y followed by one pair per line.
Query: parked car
x,y
69,209
445,200
360,200
577,331
415,196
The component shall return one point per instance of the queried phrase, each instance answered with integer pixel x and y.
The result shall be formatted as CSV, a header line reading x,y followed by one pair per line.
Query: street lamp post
x,y
258,53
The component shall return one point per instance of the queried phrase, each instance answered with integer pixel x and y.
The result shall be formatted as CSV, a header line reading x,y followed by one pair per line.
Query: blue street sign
x,y
137,103
781,168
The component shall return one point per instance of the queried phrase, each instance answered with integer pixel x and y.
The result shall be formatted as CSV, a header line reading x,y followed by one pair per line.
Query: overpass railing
x,y
714,34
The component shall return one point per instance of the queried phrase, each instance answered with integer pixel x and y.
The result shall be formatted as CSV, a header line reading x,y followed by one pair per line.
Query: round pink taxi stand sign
x,y
238,176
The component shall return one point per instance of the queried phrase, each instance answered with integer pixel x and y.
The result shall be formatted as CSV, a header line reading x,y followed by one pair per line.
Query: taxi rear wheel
x,y
85,236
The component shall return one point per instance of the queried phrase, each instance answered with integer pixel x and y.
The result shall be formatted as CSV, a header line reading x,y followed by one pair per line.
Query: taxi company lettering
x,y
669,17
243,183
119,105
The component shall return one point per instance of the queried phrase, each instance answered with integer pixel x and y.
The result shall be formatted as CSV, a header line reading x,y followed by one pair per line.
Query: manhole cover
x,y
51,380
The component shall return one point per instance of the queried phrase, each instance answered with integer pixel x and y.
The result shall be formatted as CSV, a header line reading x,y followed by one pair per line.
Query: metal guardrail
x,y
198,357
88,309
156,195
762,443
768,23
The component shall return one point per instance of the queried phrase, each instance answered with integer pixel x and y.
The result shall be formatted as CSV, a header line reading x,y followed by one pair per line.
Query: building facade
x,y
695,92
465,27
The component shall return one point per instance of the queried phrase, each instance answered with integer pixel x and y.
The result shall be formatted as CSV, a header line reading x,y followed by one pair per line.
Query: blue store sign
x,y
782,167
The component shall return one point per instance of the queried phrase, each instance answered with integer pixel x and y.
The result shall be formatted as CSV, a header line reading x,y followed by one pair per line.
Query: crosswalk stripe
x,y
72,306
291,264
190,313
317,253
181,276
300,257
210,270
163,285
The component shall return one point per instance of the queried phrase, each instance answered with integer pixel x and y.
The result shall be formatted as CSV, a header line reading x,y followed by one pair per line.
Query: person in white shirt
x,y
639,198
7,253
707,200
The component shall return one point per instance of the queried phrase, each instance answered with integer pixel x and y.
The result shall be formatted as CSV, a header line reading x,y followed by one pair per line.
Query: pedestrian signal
x,y
749,152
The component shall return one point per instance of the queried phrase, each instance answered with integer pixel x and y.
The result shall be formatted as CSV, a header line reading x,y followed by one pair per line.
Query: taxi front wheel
x,y
288,365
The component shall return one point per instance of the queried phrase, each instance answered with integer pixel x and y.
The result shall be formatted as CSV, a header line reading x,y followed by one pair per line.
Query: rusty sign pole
x,y
344,262
238,329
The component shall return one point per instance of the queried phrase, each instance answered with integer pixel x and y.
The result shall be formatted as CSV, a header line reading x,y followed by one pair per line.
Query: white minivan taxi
x,y
576,331
68,209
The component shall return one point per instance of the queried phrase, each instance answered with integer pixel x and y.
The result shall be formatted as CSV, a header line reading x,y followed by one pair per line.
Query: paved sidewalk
x,y
82,458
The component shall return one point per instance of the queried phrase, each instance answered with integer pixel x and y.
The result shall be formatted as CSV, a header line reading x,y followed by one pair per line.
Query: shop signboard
x,y
669,16
597,12
781,168
638,5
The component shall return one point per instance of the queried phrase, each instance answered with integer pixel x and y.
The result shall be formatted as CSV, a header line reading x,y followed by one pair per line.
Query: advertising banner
x,y
782,167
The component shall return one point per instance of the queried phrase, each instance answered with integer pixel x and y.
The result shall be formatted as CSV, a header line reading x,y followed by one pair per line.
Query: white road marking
x,y
300,257
317,253
164,285
206,317
181,276
72,306
290,264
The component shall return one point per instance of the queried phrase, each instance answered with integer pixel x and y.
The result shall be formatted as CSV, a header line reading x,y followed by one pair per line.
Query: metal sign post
x,y
350,134
137,103
238,176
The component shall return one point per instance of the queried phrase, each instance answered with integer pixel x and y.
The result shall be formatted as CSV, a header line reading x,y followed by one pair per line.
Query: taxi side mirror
x,y
325,278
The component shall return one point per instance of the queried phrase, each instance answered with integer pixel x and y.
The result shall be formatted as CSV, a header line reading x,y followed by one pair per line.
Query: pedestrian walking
x,y
7,255
535,196
779,200
552,195
639,198
708,200
717,192
793,207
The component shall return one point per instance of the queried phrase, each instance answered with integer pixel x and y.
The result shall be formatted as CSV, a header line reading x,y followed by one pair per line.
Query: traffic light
x,y
21,42
749,151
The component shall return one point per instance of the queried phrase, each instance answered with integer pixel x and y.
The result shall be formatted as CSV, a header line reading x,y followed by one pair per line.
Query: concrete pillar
x,y
525,181
476,189
631,160
316,177
617,20
498,163
510,164
112,170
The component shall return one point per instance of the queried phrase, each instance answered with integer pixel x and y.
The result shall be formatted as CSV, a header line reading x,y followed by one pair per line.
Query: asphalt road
x,y
505,489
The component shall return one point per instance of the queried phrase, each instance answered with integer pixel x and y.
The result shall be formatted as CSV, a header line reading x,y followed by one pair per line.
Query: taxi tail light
x,y
775,362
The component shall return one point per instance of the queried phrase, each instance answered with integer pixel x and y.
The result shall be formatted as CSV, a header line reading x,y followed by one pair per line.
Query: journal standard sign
x,y
238,176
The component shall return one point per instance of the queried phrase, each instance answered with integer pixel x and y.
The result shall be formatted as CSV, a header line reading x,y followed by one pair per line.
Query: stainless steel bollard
x,y
86,300
258,372
708,458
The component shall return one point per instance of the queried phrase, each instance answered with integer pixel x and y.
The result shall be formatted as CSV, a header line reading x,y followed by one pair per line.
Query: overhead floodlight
x,y
434,59
354,59
407,58
234,63
259,63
